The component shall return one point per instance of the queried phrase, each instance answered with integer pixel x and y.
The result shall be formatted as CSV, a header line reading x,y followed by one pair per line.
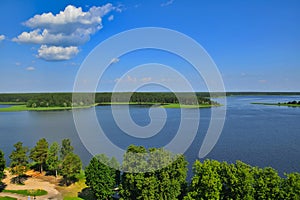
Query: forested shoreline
x,y
153,173
83,99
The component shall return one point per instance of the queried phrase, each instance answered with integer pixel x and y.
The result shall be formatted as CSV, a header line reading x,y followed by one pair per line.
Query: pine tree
x,y
53,159
39,153
66,148
71,166
2,165
101,177
19,160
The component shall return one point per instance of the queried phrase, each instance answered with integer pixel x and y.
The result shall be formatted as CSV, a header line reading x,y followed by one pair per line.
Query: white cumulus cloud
x,y
170,2
57,53
2,37
68,29
30,68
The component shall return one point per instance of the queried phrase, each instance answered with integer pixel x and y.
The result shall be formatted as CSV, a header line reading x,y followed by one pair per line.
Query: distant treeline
x,y
292,102
260,93
80,99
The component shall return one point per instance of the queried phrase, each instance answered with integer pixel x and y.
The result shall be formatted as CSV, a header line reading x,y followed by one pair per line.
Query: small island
x,y
289,104
69,101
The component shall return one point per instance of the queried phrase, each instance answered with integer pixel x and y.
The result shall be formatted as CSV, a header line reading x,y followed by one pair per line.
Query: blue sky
x,y
255,44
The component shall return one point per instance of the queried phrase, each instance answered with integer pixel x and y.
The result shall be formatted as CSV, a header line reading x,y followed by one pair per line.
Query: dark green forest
x,y
81,99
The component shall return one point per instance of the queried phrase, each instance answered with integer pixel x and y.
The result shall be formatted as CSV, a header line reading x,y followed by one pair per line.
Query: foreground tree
x,y
19,160
291,186
169,171
206,183
134,181
52,160
39,153
71,166
101,176
2,165
152,174
66,148
237,181
267,184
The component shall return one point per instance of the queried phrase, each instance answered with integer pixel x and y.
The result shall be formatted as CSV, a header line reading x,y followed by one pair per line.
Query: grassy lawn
x,y
7,198
276,104
17,108
12,103
73,198
169,105
128,103
71,192
38,192
176,105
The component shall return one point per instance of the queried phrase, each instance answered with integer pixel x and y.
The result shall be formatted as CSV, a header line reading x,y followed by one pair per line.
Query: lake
x,y
256,134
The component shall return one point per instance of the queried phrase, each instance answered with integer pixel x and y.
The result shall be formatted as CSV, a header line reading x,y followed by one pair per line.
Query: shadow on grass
x,y
86,194
67,181
2,186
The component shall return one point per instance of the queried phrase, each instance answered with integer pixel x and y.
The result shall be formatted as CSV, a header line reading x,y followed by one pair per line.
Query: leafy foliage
x,y
152,174
215,180
291,186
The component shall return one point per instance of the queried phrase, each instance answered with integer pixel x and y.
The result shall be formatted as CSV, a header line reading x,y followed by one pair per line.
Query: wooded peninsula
x,y
67,101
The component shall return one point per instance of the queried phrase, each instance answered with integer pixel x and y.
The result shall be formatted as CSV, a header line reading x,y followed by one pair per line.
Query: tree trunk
x,y
56,173
41,169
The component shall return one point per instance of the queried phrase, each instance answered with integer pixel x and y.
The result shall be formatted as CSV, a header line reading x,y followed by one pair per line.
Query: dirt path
x,y
34,182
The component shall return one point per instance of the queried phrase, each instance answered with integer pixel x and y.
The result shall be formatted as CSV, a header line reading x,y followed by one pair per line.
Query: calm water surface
x,y
256,134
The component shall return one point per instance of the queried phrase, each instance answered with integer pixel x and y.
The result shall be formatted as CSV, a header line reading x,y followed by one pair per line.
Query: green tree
x,y
152,174
237,181
66,148
2,165
291,186
19,160
52,158
267,184
134,163
101,177
39,153
206,182
71,167
115,170
169,172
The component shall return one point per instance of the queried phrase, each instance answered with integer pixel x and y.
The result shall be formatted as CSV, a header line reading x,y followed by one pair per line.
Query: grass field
x,y
7,198
276,104
72,198
27,192
167,105
176,105
16,108
12,103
